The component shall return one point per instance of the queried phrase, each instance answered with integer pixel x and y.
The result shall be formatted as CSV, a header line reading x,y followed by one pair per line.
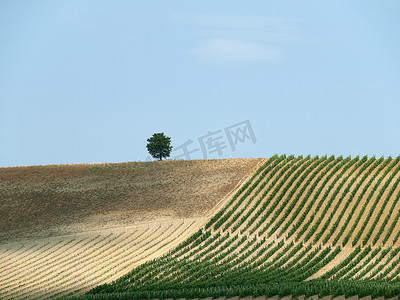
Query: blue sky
x,y
90,81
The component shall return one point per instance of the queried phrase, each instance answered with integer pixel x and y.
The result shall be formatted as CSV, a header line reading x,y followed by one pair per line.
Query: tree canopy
x,y
159,146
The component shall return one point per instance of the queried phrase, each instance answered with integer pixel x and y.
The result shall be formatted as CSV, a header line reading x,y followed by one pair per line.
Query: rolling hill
x,y
67,228
295,226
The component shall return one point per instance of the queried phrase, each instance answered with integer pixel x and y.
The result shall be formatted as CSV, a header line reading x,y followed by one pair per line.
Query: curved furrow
x,y
371,208
299,228
325,204
311,182
347,205
347,184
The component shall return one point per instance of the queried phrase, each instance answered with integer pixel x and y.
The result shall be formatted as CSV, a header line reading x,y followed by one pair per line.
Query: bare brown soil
x,y
62,199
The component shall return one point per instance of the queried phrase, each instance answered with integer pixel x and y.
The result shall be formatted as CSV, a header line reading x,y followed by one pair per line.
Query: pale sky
x,y
90,81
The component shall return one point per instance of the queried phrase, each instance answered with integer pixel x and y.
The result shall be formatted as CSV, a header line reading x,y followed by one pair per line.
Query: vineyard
x,y
297,226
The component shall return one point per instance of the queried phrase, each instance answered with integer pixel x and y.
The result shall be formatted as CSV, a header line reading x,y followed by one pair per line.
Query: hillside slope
x,y
295,224
43,200
67,228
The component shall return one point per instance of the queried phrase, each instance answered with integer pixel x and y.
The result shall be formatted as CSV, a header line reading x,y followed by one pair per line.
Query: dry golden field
x,y
67,228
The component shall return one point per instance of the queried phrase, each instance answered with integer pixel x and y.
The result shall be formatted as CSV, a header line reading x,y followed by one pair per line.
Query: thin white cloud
x,y
242,22
271,37
236,52
238,22
241,40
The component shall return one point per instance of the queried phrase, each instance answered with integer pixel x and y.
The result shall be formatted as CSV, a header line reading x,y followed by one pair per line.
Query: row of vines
x,y
298,226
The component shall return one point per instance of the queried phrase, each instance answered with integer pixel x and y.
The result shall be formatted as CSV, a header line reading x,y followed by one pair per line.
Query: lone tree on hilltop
x,y
159,145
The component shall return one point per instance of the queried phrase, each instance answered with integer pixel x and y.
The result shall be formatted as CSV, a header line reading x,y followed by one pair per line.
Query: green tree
x,y
159,145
